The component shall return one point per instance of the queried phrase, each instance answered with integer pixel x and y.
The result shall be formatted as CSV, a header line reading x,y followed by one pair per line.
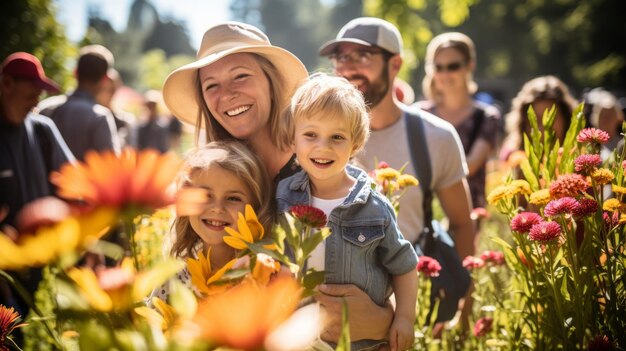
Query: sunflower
x,y
204,277
250,230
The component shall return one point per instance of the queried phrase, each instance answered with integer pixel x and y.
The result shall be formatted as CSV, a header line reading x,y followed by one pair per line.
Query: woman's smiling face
x,y
238,95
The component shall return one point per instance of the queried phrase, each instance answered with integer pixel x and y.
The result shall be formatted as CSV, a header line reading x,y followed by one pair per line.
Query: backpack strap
x,y
421,162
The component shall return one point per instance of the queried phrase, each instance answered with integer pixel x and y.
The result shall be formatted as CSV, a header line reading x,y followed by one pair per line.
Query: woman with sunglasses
x,y
449,87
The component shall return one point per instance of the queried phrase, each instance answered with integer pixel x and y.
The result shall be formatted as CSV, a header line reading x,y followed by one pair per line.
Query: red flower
x,y
309,215
483,326
585,207
471,262
592,135
610,221
523,221
568,185
564,205
8,323
545,231
429,266
600,343
585,164
382,164
494,257
624,164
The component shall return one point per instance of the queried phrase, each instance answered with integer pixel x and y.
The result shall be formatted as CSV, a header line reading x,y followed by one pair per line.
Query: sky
x,y
198,14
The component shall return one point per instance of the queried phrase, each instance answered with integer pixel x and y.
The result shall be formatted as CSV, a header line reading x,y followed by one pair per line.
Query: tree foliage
x,y
31,26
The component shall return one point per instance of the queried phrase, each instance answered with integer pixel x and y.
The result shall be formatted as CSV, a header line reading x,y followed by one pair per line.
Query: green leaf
x,y
344,340
182,299
529,175
312,279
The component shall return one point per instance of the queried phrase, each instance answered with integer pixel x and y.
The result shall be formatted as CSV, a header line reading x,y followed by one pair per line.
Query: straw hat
x,y
220,41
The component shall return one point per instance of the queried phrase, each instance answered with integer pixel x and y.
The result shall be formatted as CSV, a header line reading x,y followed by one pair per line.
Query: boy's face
x,y
323,146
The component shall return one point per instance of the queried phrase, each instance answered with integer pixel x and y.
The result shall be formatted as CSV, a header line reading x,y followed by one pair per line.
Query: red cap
x,y
25,65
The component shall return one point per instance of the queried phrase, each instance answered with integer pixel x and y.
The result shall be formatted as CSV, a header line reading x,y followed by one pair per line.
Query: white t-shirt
x,y
448,165
317,256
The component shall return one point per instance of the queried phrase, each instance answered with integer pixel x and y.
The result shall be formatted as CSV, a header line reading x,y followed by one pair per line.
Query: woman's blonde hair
x,y
455,40
216,132
232,156
541,88
330,97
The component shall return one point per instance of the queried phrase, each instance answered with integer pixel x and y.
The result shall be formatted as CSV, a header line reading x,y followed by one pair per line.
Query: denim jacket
x,y
366,245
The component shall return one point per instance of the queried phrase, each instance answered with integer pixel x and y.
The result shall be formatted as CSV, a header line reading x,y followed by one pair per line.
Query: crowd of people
x,y
270,135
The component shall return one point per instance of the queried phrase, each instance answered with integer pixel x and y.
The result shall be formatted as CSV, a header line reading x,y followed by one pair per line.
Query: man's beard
x,y
376,89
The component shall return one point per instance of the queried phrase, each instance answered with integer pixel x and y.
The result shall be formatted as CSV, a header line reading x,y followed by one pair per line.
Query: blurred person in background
x,y
84,124
604,111
449,88
123,120
30,148
541,93
153,131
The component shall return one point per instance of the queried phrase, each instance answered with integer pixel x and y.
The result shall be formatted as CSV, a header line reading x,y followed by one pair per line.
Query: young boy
x,y
329,124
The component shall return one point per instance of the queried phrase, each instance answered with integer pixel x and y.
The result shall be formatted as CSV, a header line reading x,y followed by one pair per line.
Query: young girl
x,y
232,177
329,124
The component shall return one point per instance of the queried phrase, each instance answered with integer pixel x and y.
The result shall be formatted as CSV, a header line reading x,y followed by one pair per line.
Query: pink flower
x,y
309,215
483,326
382,164
429,266
592,135
568,185
624,165
523,221
479,212
494,257
610,220
585,207
471,262
564,205
600,343
544,231
585,164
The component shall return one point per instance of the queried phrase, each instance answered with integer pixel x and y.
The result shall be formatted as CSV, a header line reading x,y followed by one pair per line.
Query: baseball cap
x,y
25,65
368,31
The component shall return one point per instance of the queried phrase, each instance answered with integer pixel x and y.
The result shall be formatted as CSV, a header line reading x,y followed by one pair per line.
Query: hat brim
x,y
331,46
179,89
48,85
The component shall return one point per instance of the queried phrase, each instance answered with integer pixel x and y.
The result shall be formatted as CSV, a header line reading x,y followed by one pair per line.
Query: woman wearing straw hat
x,y
236,90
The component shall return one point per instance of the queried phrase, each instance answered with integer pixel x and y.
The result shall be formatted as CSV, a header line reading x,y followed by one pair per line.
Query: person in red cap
x,y
30,148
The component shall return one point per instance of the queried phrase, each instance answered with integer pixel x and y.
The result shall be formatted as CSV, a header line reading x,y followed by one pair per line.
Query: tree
x,y
31,26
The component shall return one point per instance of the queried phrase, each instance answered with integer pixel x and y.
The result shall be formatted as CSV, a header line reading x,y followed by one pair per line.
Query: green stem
x,y
557,296
26,297
129,227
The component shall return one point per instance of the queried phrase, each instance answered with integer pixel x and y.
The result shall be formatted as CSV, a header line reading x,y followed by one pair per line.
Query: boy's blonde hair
x,y
232,156
329,97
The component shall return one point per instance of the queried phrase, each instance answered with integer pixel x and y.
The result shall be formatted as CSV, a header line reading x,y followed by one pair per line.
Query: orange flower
x,y
204,277
132,179
245,316
264,267
8,323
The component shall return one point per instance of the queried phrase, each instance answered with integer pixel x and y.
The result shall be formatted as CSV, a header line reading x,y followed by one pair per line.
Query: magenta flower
x,y
483,326
610,220
600,343
592,135
309,215
562,206
544,231
382,165
495,258
471,263
585,207
585,164
429,266
568,185
523,221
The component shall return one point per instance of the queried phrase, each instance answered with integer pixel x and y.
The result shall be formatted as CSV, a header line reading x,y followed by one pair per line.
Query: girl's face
x,y
237,93
450,70
323,147
228,196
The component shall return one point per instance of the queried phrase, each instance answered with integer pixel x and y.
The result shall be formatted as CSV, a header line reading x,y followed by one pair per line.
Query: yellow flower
x,y
407,180
383,174
264,267
618,189
602,176
51,242
250,230
540,197
203,277
133,179
245,316
498,193
612,205
118,288
165,318
519,186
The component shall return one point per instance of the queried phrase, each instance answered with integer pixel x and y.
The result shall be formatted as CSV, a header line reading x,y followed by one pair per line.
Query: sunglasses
x,y
450,67
359,58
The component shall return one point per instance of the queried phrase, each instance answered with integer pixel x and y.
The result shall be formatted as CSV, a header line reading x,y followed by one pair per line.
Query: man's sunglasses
x,y
450,67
